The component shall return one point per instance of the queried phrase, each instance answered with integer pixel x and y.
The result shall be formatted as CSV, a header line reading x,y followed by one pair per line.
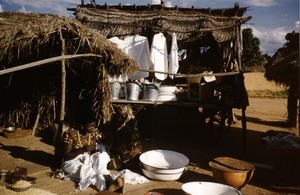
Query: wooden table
x,y
204,105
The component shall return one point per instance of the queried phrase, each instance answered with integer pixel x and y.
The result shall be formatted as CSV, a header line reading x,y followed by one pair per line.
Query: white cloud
x,y
297,25
155,2
57,6
261,3
1,9
168,4
23,9
270,39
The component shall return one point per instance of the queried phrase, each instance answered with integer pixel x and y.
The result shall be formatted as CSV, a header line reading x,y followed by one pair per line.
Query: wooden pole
x,y
192,75
239,53
58,144
46,61
63,80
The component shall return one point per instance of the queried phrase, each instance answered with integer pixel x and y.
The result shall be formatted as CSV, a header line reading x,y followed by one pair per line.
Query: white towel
x,y
137,47
173,56
159,55
121,44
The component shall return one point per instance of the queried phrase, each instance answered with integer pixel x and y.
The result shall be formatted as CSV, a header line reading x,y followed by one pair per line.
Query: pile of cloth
x,y
280,140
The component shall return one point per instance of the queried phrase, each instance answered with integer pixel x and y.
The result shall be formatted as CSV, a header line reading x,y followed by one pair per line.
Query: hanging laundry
x,y
137,47
121,44
173,56
159,55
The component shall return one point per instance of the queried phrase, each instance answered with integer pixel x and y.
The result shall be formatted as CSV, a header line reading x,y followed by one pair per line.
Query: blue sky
x,y
271,19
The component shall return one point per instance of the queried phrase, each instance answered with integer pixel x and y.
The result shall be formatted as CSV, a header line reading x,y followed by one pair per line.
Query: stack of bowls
x,y
164,165
166,93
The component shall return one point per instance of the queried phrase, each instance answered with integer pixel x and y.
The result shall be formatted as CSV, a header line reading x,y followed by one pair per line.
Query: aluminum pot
x,y
164,161
115,89
150,91
133,90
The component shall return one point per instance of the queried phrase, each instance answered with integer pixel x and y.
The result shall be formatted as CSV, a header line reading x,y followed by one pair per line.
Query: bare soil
x,y
277,171
178,129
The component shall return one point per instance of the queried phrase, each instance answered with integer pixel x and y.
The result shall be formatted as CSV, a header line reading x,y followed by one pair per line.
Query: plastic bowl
x,y
231,171
208,188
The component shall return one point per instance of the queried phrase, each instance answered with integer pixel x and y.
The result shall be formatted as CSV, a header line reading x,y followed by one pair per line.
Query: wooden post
x,y
58,143
239,53
63,86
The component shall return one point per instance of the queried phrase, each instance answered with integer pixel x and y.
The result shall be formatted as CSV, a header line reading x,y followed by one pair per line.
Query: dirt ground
x,y
277,171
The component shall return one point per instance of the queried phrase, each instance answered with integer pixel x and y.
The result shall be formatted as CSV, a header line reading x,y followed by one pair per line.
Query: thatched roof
x,y
284,67
27,37
190,25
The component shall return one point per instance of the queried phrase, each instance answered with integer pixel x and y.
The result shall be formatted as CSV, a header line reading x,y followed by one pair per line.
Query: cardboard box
x,y
199,90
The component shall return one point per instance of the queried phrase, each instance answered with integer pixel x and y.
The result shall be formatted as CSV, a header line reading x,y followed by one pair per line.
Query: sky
x,y
271,19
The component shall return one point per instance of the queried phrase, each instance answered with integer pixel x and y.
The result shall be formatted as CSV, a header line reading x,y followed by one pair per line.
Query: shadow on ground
x,y
276,170
36,156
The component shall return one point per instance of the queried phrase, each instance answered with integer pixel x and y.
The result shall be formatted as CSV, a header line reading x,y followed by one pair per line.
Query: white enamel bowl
x,y
162,176
166,89
208,188
164,161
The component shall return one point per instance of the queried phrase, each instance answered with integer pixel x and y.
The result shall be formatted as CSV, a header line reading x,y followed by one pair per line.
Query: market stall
x,y
194,49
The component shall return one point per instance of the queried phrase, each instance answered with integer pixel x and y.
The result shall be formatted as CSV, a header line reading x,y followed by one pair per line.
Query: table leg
x,y
244,127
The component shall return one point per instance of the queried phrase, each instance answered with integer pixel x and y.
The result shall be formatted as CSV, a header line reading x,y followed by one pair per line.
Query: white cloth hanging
x,y
173,56
159,55
137,47
121,44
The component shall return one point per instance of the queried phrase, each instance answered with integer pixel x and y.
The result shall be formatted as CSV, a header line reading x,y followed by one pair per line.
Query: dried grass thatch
x,y
284,68
190,25
29,37
25,34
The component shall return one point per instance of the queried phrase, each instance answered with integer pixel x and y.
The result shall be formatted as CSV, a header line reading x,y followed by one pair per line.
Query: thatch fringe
x,y
189,25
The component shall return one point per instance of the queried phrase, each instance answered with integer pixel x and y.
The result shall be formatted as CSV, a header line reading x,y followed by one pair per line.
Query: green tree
x,y
266,57
251,53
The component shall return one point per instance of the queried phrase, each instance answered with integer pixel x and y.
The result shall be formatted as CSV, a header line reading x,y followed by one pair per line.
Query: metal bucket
x,y
150,91
133,90
115,89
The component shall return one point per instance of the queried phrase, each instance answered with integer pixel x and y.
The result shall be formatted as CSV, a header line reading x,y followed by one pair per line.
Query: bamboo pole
x,y
46,61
